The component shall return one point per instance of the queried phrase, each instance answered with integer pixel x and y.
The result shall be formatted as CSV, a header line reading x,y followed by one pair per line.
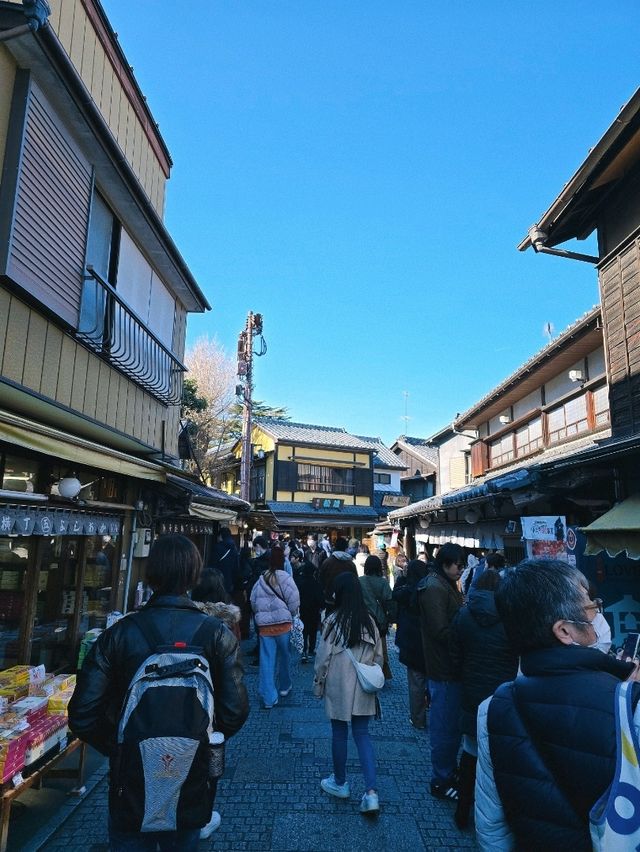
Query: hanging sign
x,y
7,520
38,520
546,536
185,527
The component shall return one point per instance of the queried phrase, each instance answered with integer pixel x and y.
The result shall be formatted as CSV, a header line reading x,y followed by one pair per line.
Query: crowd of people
x,y
508,670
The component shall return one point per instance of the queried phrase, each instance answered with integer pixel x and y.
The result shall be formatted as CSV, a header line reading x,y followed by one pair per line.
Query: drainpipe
x,y
127,582
36,12
538,239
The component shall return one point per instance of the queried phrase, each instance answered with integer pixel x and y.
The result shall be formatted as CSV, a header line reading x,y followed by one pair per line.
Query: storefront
x,y
58,578
61,560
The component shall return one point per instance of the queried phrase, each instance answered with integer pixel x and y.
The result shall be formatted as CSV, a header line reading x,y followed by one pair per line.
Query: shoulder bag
x,y
370,678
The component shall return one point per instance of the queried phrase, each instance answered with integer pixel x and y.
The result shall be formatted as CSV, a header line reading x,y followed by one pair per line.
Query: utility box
x,y
143,542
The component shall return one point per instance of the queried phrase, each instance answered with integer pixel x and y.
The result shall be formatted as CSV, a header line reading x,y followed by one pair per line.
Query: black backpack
x,y
160,780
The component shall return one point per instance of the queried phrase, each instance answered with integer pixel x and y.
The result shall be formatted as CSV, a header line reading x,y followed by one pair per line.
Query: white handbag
x,y
370,678
615,817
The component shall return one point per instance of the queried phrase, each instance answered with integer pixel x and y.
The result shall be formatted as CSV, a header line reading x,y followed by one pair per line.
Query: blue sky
x,y
361,172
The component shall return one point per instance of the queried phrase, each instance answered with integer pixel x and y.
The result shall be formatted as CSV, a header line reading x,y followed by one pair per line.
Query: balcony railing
x,y
113,331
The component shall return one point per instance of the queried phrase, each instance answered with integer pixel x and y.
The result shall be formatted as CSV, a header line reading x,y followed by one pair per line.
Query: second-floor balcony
x,y
113,331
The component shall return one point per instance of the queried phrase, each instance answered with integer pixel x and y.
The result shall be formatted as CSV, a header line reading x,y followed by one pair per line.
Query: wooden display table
x,y
10,792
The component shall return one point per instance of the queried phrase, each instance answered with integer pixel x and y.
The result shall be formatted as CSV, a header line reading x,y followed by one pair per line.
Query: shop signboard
x,y
40,520
616,579
546,536
397,501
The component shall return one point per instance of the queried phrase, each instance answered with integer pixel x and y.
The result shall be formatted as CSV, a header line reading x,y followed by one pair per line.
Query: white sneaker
x,y
369,803
330,786
211,826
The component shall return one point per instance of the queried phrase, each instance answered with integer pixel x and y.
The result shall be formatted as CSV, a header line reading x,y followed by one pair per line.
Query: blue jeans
x,y
444,728
274,674
362,739
167,841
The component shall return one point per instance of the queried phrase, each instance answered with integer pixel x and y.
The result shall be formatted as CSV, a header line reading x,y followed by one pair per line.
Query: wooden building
x,y
531,433
94,297
309,478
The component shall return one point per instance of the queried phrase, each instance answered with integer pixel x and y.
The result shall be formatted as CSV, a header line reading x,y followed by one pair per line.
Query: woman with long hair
x,y
274,600
379,601
349,626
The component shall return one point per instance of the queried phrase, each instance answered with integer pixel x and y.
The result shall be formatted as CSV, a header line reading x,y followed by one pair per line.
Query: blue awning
x,y
522,478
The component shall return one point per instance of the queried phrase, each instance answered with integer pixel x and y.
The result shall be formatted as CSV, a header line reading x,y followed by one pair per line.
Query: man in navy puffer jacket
x,y
547,741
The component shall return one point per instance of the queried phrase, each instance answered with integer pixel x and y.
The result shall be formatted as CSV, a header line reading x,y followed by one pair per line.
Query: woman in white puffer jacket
x,y
275,600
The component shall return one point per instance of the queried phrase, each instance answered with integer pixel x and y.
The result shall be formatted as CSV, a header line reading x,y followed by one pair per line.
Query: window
x,y
601,406
325,480
127,315
256,493
19,474
382,478
568,419
501,451
529,437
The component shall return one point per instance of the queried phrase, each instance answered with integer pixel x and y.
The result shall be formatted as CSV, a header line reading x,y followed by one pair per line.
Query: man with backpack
x,y
155,690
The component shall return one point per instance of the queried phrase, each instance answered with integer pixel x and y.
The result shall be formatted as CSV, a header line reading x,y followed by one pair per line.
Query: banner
x,y
41,520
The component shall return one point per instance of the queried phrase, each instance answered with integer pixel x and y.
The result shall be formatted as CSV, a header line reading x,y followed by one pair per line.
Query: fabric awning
x,y
212,513
616,531
53,442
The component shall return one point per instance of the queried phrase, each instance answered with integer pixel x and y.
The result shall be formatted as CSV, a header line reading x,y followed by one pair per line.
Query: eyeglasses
x,y
596,604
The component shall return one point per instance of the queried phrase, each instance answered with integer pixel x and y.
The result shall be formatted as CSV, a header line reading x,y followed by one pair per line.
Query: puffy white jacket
x,y
275,604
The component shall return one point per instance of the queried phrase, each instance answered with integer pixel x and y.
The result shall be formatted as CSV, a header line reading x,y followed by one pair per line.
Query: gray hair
x,y
536,594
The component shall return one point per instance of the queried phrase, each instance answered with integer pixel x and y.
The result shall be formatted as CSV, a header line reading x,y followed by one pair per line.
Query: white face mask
x,y
603,633
601,629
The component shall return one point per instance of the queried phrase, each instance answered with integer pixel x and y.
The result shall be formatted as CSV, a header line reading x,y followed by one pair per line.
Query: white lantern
x,y
69,487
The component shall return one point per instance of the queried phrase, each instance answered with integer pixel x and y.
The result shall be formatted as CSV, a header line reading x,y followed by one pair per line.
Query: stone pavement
x,y
270,797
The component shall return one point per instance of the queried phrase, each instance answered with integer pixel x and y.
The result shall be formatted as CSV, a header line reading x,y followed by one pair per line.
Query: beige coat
x,y
335,675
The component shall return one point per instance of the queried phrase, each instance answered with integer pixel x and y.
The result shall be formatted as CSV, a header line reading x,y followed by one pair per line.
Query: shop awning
x,y
53,442
291,514
616,531
212,513
210,504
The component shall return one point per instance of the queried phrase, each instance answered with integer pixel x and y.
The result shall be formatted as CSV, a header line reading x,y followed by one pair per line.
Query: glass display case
x,y
15,557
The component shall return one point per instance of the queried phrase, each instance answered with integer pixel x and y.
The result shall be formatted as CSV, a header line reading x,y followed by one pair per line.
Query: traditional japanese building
x,y
94,297
310,478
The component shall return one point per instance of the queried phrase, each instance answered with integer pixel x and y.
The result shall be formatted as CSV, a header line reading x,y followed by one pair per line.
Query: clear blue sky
x,y
361,172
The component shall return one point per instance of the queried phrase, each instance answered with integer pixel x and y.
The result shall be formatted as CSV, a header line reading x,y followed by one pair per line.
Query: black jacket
x,y
481,654
408,635
94,709
227,561
552,739
311,594
439,600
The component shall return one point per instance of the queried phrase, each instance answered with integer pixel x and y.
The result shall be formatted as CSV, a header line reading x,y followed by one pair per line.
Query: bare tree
x,y
209,394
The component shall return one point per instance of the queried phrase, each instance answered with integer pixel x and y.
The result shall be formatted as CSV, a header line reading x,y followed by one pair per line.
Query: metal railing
x,y
113,331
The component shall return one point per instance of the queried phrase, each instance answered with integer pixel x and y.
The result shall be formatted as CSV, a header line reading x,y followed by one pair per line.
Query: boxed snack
x,y
33,708
58,703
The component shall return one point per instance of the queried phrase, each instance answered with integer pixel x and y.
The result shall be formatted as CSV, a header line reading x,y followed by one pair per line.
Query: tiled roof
x,y
204,494
421,448
481,486
306,433
431,504
529,365
384,457
361,513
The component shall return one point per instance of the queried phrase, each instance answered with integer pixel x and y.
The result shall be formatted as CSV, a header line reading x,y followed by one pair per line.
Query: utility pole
x,y
252,327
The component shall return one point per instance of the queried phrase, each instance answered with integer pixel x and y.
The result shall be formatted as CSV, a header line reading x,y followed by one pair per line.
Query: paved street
x,y
270,797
